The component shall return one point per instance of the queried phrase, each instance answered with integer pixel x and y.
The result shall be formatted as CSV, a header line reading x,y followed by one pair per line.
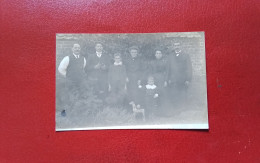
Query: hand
x,y
109,88
165,84
155,96
127,80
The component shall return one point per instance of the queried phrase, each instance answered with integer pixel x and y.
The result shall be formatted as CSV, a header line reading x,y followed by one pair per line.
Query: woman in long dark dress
x,y
159,70
117,80
135,74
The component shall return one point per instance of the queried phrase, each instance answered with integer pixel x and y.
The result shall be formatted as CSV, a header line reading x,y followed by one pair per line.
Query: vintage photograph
x,y
131,81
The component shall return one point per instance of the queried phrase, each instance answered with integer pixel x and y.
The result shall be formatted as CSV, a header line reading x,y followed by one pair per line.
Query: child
x,y
151,97
117,81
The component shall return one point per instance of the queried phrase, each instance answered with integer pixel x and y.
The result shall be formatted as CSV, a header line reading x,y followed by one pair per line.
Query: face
x,y
133,53
150,81
117,59
158,54
76,49
99,47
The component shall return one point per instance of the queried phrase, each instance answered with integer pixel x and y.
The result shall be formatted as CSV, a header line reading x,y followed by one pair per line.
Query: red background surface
x,y
27,84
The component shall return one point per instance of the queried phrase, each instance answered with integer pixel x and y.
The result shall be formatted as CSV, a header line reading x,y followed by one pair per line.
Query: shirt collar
x,y
179,53
99,54
150,86
76,56
117,64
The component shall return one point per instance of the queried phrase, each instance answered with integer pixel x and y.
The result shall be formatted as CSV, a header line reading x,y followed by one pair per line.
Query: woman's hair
x,y
117,55
159,48
150,77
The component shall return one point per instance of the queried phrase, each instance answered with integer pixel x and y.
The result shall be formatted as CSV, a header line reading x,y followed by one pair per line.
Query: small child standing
x,y
117,79
151,98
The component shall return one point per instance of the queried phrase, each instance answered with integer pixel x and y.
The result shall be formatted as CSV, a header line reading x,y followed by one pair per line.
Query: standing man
x,y
180,74
97,70
72,68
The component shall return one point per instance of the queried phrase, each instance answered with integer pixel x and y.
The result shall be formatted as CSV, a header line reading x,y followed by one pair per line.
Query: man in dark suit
x,y
97,70
180,74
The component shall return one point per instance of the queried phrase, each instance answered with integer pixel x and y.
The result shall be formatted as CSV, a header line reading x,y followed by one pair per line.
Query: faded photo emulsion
x,y
131,81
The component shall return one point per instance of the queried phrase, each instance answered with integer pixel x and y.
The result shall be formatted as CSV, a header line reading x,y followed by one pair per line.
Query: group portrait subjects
x,y
131,81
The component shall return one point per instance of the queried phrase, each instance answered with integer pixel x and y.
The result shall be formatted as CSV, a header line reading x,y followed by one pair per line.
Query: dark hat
x,y
133,48
98,42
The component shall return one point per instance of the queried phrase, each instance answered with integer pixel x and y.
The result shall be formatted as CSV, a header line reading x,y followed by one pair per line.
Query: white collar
x,y
177,54
150,86
99,54
118,64
76,56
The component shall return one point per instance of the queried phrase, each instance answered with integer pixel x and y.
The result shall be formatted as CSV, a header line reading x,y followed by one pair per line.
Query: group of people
x,y
130,80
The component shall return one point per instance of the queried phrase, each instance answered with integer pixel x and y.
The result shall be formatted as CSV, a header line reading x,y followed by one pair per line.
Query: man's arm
x,y
63,66
85,62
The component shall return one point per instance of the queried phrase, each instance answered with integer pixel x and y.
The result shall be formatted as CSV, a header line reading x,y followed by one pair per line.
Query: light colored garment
x,y
99,54
150,86
65,63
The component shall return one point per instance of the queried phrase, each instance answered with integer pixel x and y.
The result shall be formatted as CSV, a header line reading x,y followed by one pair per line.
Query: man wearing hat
x,y
180,74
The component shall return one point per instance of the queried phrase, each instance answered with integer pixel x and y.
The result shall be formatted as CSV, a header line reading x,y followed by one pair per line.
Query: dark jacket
x,y
101,73
159,69
180,68
117,77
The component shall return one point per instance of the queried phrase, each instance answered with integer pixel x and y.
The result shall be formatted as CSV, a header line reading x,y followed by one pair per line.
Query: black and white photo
x,y
131,81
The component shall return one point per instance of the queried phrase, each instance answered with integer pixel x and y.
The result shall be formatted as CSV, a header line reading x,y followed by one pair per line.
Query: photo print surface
x,y
131,81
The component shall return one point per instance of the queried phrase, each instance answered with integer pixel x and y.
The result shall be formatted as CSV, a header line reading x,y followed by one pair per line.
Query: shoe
x,y
63,113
